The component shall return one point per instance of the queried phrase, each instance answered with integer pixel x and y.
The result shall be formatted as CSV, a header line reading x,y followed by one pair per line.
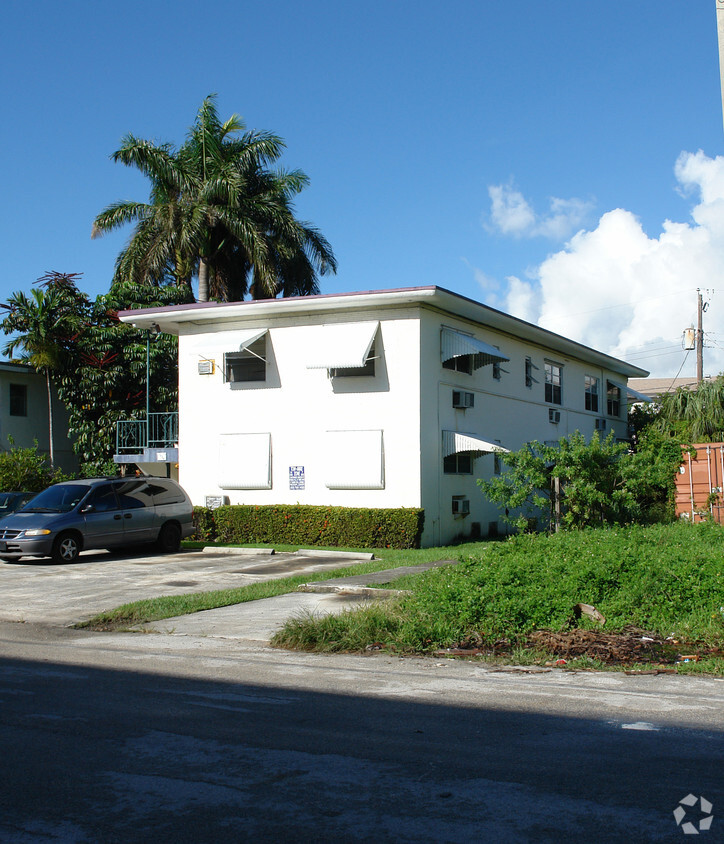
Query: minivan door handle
x,y
117,516
128,515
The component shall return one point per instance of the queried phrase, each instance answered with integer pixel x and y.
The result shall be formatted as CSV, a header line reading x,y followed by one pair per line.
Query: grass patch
x,y
665,579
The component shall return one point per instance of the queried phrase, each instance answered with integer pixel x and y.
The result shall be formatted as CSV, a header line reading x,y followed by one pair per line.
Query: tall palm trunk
x,y
50,418
203,280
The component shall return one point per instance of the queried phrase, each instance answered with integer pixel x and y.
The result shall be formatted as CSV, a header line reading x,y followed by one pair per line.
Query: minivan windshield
x,y
61,498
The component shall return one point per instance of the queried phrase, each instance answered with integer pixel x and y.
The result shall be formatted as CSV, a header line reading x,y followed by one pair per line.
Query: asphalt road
x,y
196,735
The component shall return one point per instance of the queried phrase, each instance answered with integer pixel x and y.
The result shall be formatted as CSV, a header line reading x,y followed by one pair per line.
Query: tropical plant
x,y
217,211
579,483
693,415
107,380
43,326
26,469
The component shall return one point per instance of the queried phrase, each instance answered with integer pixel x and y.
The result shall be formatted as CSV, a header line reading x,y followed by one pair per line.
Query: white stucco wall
x,y
296,406
505,410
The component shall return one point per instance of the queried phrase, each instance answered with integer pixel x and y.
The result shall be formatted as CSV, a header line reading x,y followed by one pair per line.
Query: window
x,y
248,364
613,399
354,460
461,363
18,400
351,371
497,462
245,461
458,464
553,383
103,499
134,494
592,393
528,372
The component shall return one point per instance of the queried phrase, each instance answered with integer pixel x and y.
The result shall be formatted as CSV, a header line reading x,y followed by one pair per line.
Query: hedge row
x,y
354,527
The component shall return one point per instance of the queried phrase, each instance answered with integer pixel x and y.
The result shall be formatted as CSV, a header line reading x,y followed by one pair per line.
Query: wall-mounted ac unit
x,y
460,505
206,367
554,416
463,399
600,424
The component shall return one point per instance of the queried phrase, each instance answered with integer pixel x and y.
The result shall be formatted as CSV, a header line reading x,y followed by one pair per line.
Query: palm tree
x,y
216,210
43,324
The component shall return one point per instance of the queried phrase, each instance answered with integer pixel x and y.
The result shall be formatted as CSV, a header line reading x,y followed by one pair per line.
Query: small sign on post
x,y
296,477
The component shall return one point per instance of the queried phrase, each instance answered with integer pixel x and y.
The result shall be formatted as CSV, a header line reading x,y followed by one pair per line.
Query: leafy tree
x,y
43,326
216,210
599,482
107,381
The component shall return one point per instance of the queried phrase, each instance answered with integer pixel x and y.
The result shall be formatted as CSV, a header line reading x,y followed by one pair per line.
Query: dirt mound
x,y
613,648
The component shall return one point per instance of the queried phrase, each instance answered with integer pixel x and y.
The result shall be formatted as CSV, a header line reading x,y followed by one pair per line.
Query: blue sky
x,y
558,160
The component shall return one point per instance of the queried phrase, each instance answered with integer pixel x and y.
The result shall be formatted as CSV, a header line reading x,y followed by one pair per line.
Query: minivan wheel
x,y
169,538
65,548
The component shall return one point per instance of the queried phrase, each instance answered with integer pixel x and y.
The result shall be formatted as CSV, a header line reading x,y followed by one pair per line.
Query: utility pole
x,y
699,338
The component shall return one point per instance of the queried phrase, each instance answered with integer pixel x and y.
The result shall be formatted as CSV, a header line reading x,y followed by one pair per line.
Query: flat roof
x,y
174,319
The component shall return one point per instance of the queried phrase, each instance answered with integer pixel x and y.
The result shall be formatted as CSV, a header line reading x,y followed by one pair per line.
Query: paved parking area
x,y
40,592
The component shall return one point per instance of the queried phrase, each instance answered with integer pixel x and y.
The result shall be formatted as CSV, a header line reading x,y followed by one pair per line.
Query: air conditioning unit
x,y
460,505
600,424
554,416
206,367
463,399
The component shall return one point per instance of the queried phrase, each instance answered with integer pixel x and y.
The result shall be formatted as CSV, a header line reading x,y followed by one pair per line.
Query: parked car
x,y
12,501
70,517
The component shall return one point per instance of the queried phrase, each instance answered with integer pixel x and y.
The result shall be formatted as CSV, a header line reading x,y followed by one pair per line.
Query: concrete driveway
x,y
41,592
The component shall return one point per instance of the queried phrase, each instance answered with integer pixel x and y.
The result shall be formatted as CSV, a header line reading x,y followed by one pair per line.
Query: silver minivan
x,y
70,517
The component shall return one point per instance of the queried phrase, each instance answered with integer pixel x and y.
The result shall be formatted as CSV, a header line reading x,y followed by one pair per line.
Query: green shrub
x,y
204,525
23,469
328,526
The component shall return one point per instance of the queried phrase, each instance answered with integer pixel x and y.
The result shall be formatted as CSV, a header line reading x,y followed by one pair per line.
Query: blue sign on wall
x,y
296,477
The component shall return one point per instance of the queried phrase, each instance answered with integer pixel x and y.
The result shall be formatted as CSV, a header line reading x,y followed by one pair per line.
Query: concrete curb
x,y
342,555
341,589
213,549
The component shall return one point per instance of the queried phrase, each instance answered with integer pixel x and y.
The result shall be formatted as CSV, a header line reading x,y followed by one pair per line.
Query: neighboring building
x,y
395,398
24,414
652,388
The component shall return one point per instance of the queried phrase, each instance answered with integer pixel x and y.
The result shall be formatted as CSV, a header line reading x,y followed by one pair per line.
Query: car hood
x,y
23,520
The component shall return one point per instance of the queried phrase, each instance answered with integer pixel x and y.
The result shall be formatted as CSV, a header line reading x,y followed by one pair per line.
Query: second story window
x,y
528,372
18,400
591,395
248,364
613,399
461,363
553,383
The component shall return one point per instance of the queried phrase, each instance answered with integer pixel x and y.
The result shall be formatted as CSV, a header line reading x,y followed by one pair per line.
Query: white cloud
x,y
620,291
512,214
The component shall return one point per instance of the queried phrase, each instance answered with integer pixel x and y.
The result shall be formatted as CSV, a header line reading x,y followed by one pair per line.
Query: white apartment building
x,y
393,398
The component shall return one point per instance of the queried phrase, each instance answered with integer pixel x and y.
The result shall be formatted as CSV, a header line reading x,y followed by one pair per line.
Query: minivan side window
x,y
102,498
134,494
165,492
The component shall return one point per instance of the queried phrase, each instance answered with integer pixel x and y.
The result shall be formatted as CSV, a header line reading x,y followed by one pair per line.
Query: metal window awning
x,y
249,337
342,346
454,442
635,395
454,344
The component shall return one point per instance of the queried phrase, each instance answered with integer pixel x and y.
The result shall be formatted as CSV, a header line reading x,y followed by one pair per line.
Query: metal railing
x,y
158,430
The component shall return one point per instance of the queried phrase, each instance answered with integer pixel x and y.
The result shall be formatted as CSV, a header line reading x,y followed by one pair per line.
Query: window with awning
x,y
248,363
454,442
342,347
245,461
465,353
